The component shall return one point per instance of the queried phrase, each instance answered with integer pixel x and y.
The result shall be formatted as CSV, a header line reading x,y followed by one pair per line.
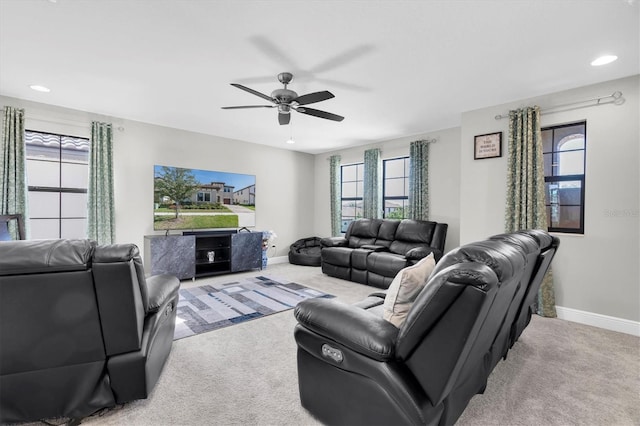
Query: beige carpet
x,y
558,373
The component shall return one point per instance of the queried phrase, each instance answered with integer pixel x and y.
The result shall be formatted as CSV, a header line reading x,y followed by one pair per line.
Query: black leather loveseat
x,y
80,328
373,251
356,368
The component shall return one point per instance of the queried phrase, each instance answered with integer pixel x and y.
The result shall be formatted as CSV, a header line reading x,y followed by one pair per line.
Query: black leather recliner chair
x,y
80,328
354,367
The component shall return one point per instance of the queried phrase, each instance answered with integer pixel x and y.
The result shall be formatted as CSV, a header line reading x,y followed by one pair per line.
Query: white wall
x,y
597,272
444,178
284,179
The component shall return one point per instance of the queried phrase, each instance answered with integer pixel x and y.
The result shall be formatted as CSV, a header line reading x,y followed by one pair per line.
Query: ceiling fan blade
x,y
253,92
311,98
284,118
249,106
321,114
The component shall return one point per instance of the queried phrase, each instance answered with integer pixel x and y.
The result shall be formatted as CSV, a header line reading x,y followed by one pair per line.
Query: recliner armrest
x,y
422,252
350,326
160,289
333,242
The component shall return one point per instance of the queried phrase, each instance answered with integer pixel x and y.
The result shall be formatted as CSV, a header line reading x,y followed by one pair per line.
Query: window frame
x,y
564,178
58,189
384,184
355,199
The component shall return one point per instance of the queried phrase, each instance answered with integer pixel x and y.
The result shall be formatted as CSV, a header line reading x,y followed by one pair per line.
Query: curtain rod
x,y
432,140
68,122
615,98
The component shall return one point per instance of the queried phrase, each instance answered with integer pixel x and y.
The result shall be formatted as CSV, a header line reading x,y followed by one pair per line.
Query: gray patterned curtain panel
x,y
372,197
101,209
419,180
12,167
335,194
525,206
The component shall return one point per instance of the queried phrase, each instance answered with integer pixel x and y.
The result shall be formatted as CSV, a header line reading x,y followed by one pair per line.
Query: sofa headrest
x,y
545,241
364,228
415,231
40,256
129,255
525,241
504,258
115,253
388,229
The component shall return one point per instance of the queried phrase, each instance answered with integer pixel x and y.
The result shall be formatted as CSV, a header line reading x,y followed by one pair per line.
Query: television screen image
x,y
202,199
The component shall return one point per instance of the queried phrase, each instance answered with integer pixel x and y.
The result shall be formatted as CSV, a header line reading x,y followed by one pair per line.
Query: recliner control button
x,y
332,353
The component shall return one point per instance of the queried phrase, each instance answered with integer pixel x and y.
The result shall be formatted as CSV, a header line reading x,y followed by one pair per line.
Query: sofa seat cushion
x,y
359,258
404,289
338,256
386,264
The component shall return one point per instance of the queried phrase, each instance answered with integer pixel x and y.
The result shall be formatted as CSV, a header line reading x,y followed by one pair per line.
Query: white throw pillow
x,y
404,289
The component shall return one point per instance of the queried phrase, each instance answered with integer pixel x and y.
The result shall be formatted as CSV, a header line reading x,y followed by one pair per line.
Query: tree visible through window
x,y
396,187
352,181
57,177
564,168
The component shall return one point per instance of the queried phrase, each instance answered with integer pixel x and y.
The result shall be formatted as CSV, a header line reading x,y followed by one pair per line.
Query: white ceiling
x,y
397,68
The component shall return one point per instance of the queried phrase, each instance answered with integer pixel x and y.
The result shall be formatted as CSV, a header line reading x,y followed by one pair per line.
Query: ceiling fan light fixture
x,y
603,60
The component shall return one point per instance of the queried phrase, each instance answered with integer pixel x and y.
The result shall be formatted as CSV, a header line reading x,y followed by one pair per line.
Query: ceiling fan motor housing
x,y
284,96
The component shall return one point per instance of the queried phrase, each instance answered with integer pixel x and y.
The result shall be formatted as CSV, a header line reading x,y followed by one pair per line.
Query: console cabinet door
x,y
246,251
171,254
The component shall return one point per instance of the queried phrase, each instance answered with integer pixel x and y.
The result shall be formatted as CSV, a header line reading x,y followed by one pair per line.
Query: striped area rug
x,y
210,307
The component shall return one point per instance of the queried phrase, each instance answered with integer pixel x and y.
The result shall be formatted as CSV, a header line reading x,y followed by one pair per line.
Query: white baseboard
x,y
597,320
278,259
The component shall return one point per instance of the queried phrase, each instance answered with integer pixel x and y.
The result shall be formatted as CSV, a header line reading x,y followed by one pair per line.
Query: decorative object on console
x,y
202,199
215,306
373,251
487,146
354,367
267,241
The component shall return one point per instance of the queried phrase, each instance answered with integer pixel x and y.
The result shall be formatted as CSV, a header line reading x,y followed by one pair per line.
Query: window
x,y
352,182
395,187
204,197
564,164
57,177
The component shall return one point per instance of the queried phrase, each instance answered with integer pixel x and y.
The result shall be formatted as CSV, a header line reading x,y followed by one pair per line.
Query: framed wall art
x,y
487,146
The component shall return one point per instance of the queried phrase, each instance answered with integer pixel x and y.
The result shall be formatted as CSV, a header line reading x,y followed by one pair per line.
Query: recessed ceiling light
x,y
604,60
39,88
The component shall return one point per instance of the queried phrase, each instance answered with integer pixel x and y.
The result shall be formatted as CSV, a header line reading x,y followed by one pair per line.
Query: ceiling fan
x,y
286,100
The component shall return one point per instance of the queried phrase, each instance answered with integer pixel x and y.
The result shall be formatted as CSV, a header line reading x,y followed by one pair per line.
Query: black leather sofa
x,y
81,328
373,251
354,367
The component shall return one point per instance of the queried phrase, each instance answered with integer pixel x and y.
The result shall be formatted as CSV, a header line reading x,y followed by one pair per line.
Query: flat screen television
x,y
202,199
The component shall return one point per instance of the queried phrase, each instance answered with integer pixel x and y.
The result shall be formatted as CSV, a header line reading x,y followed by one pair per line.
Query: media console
x,y
202,253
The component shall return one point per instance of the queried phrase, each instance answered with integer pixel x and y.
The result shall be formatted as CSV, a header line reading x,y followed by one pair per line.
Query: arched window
x,y
564,163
